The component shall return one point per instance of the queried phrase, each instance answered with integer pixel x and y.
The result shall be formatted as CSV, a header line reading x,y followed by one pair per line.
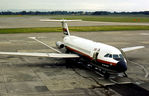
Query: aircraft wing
x,y
51,55
132,48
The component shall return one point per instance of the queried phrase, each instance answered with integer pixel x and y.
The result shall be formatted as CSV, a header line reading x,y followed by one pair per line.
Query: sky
x,y
76,5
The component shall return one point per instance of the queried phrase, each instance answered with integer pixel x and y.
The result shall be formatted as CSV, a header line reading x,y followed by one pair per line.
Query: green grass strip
x,y
73,29
107,18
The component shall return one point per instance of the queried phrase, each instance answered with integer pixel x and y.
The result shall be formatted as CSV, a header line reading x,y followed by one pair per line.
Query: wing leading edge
x,y
51,55
132,48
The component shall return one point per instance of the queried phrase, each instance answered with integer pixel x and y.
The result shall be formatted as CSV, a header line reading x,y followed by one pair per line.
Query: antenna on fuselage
x,y
64,24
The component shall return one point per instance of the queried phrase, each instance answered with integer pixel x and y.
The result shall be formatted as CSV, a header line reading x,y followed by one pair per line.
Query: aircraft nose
x,y
121,66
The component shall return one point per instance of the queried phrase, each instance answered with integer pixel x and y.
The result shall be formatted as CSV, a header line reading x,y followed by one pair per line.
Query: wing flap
x,y
51,55
132,48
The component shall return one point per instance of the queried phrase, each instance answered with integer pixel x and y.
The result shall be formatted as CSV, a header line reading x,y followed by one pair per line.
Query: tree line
x,y
72,13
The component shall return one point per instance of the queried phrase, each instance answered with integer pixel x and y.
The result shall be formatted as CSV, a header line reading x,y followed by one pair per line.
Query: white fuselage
x,y
88,48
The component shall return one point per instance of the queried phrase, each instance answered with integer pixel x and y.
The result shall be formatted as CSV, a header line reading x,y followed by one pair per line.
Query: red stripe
x,y
99,60
106,62
79,52
64,29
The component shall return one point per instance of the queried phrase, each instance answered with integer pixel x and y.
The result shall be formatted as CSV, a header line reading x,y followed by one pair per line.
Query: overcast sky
x,y
76,5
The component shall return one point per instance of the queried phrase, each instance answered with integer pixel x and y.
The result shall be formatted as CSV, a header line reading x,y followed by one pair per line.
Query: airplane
x,y
98,56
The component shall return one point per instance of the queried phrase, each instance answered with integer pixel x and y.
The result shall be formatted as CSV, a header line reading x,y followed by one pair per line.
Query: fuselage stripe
x,y
98,60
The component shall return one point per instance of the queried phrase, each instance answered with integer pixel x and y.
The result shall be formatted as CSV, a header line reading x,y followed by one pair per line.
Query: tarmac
x,y
34,21
38,76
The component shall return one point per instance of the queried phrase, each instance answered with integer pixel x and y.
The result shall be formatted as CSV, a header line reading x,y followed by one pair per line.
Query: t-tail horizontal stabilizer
x,y
64,24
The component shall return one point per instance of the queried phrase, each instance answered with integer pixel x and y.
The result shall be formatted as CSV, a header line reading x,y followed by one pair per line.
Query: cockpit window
x,y
121,56
117,57
107,55
110,55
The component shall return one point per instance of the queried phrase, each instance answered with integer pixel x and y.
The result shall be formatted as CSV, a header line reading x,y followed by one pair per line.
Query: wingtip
x,y
141,46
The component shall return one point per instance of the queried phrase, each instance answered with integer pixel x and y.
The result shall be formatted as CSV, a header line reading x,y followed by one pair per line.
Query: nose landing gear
x,y
125,74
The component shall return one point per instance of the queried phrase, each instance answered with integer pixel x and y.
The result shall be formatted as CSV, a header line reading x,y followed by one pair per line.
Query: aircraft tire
x,y
106,75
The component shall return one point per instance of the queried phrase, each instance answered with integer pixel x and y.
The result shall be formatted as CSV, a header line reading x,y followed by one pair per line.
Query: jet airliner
x,y
100,56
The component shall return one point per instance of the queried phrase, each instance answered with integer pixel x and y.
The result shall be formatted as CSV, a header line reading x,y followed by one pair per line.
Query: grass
x,y
107,18
72,29
29,30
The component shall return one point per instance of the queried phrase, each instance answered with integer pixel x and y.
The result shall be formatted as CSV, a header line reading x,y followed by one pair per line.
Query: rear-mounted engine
x,y
60,44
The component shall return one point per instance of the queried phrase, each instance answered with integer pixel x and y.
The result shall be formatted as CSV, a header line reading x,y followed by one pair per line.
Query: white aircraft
x,y
100,56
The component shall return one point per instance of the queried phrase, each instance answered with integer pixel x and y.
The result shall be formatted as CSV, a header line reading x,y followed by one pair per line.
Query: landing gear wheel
x,y
69,63
106,75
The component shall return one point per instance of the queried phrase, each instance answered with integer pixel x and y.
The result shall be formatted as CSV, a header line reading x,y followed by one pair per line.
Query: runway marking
x,y
113,33
42,37
144,33
145,42
5,42
145,70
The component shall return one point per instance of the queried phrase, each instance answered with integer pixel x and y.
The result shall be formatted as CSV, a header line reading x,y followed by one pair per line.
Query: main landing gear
x,y
104,73
71,63
99,71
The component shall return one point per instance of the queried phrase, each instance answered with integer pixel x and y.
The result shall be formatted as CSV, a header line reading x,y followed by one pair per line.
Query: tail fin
x,y
64,25
65,28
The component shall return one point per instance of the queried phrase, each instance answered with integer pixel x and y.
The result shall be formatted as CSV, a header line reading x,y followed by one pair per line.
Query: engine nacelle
x,y
60,44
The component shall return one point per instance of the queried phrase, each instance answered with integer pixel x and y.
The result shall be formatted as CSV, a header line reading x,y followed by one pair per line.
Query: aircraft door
x,y
95,54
